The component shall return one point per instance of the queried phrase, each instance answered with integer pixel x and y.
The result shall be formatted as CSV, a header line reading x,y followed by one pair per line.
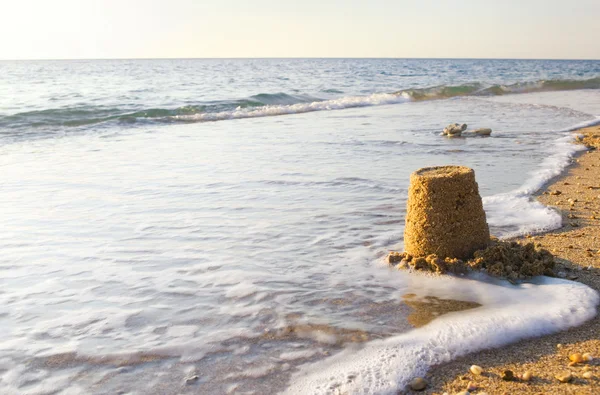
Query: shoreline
x,y
575,193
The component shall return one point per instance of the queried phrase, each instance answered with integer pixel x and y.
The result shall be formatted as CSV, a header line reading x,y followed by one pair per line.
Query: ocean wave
x,y
480,89
298,108
271,104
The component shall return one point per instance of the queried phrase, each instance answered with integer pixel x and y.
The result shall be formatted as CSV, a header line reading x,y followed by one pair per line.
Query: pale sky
x,y
89,29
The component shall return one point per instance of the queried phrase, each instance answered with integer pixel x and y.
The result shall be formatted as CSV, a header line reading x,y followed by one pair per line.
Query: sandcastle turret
x,y
445,213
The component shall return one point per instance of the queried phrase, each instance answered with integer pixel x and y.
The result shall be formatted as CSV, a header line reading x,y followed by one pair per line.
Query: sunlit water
x,y
136,252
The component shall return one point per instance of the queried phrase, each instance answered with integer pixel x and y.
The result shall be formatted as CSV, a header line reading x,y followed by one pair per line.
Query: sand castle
x,y
446,230
445,213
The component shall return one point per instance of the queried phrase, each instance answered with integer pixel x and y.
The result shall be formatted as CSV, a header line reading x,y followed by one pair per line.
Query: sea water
x,y
225,221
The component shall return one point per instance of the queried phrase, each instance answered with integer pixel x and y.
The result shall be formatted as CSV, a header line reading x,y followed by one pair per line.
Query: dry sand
x,y
576,194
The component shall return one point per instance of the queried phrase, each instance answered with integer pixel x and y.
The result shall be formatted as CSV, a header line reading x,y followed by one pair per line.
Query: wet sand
x,y
576,194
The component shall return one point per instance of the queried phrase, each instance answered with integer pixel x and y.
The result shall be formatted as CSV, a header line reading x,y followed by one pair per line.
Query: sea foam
x,y
515,213
510,313
375,99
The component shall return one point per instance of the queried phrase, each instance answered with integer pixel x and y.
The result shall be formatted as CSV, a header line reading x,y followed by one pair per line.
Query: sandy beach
x,y
576,194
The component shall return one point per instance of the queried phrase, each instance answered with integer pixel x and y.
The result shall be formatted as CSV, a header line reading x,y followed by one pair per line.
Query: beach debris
x,y
526,376
191,379
508,375
445,213
418,384
476,370
576,357
587,375
454,130
564,377
587,357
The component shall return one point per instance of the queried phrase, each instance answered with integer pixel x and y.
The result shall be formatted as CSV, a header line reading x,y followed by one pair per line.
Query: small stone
x,y
559,345
471,386
587,375
191,379
527,376
418,384
463,393
586,368
508,375
555,193
587,357
576,358
476,370
564,377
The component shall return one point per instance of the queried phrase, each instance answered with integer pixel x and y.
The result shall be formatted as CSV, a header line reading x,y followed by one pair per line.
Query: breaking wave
x,y
270,104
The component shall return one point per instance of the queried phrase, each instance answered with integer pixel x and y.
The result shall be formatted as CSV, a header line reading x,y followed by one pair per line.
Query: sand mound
x,y
505,259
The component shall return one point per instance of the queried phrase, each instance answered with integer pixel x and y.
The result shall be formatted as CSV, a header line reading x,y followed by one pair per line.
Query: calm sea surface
x,y
226,221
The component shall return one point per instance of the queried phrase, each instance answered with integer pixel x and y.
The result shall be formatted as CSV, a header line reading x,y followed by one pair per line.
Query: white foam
x,y
511,313
375,99
241,290
515,212
512,215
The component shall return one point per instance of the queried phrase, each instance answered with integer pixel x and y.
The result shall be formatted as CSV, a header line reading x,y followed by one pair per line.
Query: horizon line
x,y
289,57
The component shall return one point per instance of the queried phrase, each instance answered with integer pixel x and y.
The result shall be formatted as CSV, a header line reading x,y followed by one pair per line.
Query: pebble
x,y
587,357
527,376
587,375
564,377
576,358
463,393
418,384
476,370
586,368
559,345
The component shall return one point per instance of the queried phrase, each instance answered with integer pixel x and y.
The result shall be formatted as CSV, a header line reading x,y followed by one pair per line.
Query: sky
x,y
91,29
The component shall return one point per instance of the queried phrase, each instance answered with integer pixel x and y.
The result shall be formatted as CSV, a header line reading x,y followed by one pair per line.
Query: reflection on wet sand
x,y
428,308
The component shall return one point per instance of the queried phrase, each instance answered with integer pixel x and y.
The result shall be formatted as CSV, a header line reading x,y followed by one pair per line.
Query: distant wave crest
x,y
271,104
